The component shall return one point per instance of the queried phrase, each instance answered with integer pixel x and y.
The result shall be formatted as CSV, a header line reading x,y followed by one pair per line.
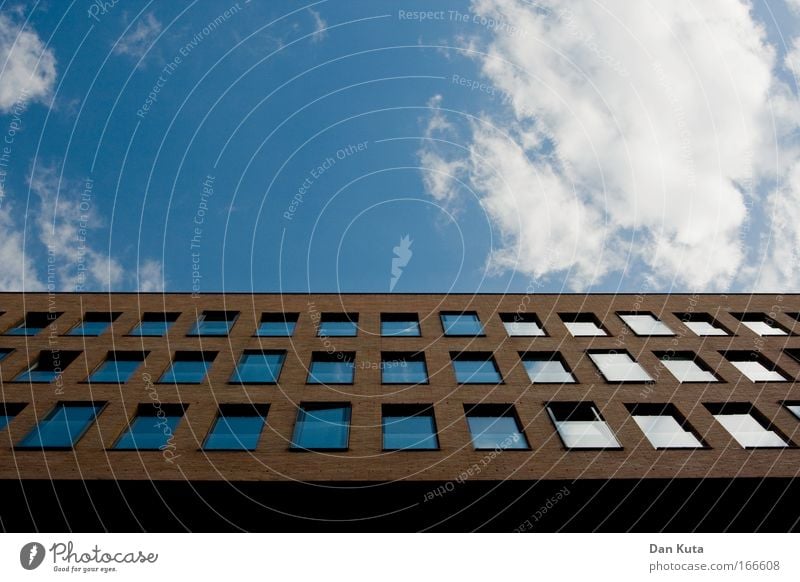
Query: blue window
x,y
409,427
336,368
547,368
495,426
237,428
464,324
475,368
322,427
258,367
338,325
34,322
62,428
4,352
47,367
118,367
399,324
188,368
214,323
8,411
277,325
154,324
152,428
93,324
403,368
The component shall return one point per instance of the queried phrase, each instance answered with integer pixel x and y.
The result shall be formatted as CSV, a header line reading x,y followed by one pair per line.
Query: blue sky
x,y
267,146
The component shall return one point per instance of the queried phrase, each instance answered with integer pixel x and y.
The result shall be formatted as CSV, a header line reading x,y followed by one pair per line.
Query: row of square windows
x,y
326,426
265,366
467,324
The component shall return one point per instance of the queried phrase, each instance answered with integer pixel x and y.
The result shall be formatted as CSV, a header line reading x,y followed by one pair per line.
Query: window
x,y
702,324
188,368
462,324
152,428
686,367
475,368
214,323
93,324
34,322
336,368
760,323
794,408
522,324
4,352
645,324
495,426
546,368
755,366
399,324
619,367
409,427
322,427
583,324
581,426
118,367
63,427
338,325
47,367
664,426
403,368
237,427
277,325
746,425
154,324
8,411
259,367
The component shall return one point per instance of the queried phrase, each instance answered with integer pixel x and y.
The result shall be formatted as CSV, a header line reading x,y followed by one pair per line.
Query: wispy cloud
x,y
27,67
319,26
151,276
614,149
17,272
66,221
138,40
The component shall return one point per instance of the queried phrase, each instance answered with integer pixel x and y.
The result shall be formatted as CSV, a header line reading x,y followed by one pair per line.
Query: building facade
x,y
399,404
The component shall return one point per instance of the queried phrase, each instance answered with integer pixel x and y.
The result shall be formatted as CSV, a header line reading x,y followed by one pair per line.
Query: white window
x,y
580,426
517,324
619,367
545,368
685,368
646,324
763,327
705,327
760,323
583,325
757,370
794,409
665,432
747,431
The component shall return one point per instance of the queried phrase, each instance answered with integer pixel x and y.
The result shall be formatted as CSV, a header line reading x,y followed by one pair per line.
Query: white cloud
x,y
65,221
27,68
320,24
17,273
638,133
138,40
151,276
